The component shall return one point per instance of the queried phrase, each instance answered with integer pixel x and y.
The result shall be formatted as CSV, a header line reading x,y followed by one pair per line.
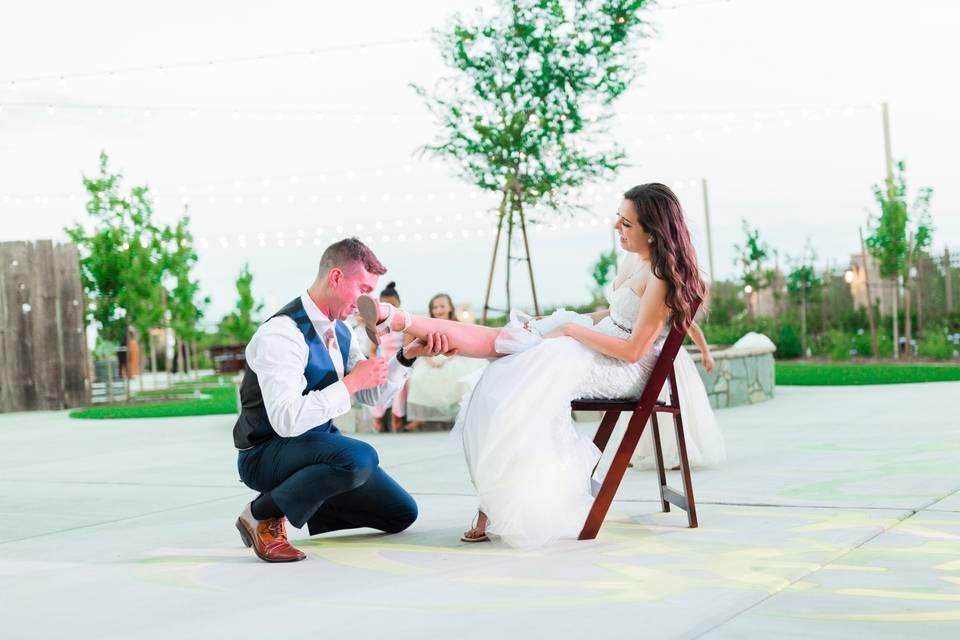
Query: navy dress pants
x,y
327,481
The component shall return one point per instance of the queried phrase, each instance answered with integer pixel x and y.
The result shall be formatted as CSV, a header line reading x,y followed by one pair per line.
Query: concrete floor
x,y
836,515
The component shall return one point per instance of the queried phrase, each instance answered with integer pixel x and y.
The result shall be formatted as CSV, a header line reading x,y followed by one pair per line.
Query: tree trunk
x,y
196,357
948,279
526,248
908,299
185,361
920,295
874,346
896,317
493,260
803,324
509,254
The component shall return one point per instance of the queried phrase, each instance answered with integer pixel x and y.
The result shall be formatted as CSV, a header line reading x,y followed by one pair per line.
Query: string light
x,y
212,64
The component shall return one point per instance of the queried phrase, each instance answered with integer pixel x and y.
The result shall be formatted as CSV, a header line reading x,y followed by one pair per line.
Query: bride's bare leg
x,y
472,340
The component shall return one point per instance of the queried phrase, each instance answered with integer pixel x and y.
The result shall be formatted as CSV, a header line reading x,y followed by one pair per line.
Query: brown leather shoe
x,y
269,540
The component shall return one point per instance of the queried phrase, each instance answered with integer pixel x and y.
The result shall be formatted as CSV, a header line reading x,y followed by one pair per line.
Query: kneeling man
x,y
303,368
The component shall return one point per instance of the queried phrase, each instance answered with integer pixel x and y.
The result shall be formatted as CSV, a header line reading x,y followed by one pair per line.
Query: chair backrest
x,y
664,365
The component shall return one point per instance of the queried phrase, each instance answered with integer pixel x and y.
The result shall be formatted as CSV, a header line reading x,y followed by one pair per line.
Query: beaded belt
x,y
620,326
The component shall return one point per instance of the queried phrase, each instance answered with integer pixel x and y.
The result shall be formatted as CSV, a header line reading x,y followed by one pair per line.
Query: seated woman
x,y
531,468
437,384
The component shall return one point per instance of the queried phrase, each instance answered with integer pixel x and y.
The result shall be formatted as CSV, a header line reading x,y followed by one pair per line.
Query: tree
x,y
524,114
889,242
121,262
239,325
802,285
185,307
603,271
752,258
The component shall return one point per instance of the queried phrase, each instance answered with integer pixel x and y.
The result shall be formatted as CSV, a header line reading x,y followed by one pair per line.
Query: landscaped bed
x,y
795,373
206,396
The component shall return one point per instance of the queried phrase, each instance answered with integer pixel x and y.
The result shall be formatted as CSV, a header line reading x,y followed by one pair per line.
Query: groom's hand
x,y
434,344
367,374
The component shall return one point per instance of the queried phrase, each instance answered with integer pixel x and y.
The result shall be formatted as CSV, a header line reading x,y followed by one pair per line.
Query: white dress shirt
x,y
278,354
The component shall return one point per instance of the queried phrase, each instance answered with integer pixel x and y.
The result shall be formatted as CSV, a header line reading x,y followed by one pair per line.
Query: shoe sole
x,y
369,311
483,538
248,542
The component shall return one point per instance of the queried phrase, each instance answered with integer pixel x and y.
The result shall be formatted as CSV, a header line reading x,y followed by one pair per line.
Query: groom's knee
x,y
404,516
363,462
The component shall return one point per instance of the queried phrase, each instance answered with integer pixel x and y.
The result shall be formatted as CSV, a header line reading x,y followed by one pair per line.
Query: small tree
x,y
516,115
239,325
185,306
752,259
603,272
802,285
121,264
889,242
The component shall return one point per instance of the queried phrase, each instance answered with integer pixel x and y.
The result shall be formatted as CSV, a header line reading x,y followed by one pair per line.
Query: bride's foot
x,y
477,533
381,318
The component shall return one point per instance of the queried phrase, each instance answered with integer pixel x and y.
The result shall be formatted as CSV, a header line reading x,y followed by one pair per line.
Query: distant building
x,y
880,289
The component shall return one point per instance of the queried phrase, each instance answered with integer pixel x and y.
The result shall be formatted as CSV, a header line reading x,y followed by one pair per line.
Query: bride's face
x,y
633,237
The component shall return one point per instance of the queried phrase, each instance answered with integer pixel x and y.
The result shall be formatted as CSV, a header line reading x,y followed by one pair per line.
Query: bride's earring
x,y
650,240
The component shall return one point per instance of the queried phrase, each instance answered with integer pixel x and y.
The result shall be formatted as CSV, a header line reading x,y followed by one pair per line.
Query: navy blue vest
x,y
253,426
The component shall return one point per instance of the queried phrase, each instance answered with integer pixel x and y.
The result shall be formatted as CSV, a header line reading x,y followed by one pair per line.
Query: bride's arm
x,y
597,316
650,318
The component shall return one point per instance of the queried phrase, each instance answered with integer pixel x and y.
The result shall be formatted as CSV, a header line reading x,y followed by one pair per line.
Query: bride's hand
x,y
559,332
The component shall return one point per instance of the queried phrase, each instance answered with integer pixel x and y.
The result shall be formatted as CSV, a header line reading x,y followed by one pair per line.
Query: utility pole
x,y
891,194
706,215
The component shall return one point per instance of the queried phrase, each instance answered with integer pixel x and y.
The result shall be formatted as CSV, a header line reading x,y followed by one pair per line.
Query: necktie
x,y
334,349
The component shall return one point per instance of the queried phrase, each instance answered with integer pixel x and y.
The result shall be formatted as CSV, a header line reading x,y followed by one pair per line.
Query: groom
x,y
303,367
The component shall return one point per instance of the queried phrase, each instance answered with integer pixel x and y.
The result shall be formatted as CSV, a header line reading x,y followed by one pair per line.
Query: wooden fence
x,y
44,362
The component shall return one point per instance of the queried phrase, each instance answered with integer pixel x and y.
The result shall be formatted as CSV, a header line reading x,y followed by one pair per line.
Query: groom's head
x,y
347,269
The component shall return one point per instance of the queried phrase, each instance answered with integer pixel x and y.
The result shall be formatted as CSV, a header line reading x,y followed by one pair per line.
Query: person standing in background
x,y
436,385
389,346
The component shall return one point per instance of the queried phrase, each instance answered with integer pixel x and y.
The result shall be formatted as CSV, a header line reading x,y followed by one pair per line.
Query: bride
x,y
530,467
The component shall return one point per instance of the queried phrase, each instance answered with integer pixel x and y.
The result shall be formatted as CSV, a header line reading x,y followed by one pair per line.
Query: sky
x,y
774,104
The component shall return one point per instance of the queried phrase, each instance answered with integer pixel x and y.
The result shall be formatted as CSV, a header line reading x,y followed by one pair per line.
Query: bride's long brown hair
x,y
672,256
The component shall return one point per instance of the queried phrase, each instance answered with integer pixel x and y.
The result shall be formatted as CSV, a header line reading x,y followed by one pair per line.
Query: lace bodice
x,y
624,307
610,377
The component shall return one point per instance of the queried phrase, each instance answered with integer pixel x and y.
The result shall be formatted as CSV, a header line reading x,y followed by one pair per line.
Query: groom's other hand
x,y
367,374
434,344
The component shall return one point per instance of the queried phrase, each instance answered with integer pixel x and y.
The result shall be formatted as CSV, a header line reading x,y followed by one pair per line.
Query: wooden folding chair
x,y
644,409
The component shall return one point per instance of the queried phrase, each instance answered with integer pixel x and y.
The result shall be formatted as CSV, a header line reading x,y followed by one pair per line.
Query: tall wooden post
x,y
706,215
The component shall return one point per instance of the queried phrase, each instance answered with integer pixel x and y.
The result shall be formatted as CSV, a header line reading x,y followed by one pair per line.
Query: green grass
x,y
221,400
848,373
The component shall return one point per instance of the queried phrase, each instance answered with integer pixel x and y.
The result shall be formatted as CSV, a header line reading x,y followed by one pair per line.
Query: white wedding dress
x,y
529,465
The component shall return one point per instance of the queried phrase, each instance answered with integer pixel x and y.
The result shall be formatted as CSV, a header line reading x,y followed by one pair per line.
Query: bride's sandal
x,y
370,312
474,525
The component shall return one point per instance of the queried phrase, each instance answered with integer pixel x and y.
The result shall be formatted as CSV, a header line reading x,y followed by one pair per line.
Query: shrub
x,y
861,343
788,343
840,345
938,345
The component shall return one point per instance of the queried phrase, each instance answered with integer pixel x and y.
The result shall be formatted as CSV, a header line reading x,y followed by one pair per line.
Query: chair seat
x,y
624,404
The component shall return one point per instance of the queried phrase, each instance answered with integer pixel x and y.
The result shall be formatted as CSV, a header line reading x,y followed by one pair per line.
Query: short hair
x,y
347,251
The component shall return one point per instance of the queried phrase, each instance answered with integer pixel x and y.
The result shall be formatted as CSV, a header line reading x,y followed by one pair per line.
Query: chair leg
x,y
658,454
611,481
605,430
685,472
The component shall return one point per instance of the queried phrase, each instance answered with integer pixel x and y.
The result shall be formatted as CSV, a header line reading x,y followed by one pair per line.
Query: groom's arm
x,y
397,376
